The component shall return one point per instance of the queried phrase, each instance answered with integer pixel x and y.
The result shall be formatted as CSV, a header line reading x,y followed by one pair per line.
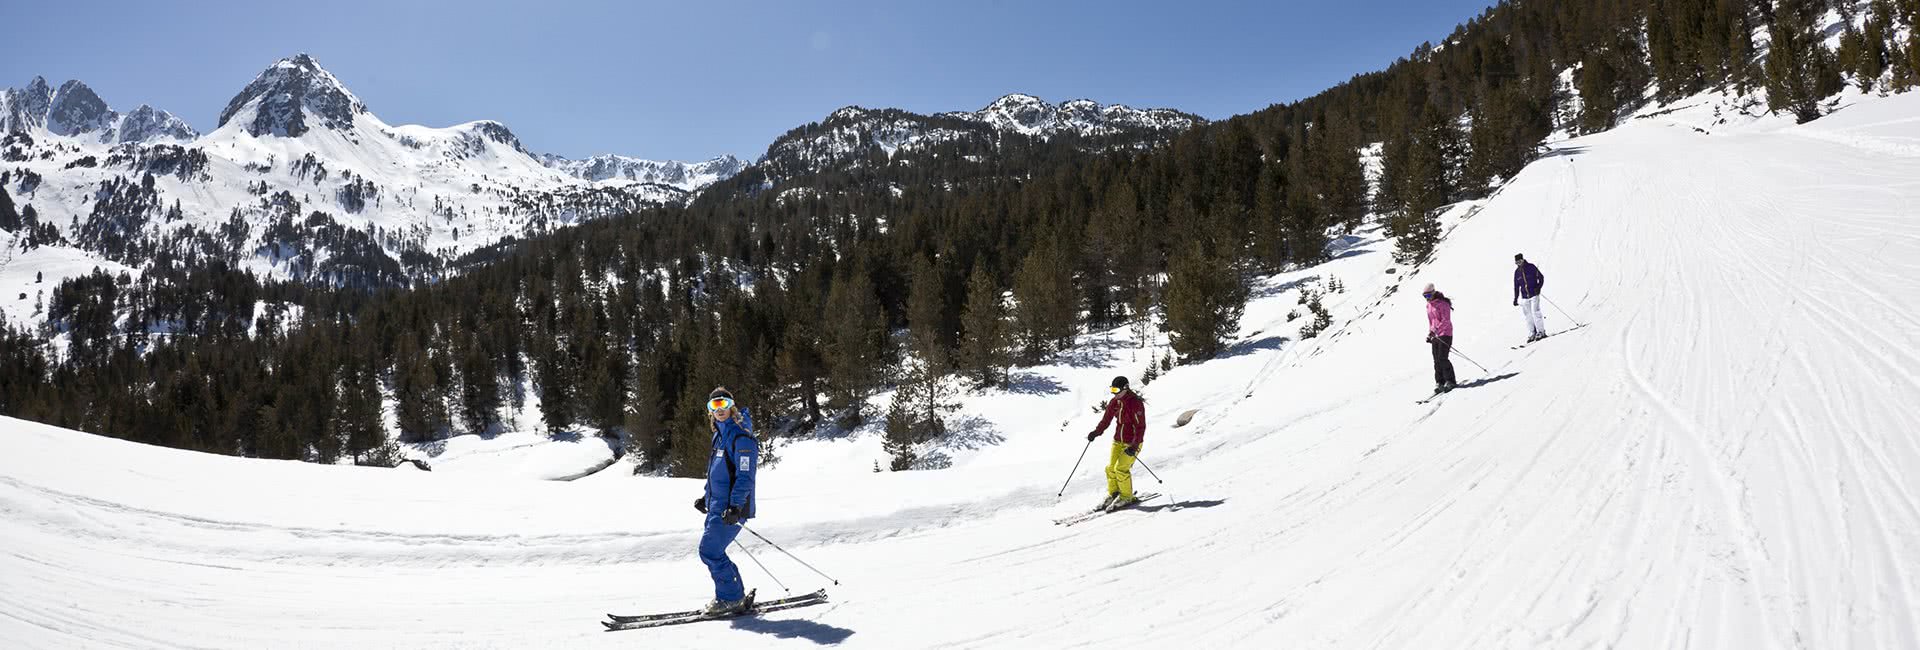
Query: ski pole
x,y
1150,472
1156,476
1076,468
1484,369
763,567
782,550
1563,312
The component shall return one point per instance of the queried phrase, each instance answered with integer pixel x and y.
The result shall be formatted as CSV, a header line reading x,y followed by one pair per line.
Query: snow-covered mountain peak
x,y
1031,115
847,114
149,124
1015,101
292,96
77,109
21,109
495,132
684,175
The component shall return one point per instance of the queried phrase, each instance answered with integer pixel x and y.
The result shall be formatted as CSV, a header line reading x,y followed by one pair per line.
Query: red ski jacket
x,y
1132,427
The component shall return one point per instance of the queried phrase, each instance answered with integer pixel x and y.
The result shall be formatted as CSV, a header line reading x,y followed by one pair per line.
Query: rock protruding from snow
x,y
684,175
291,97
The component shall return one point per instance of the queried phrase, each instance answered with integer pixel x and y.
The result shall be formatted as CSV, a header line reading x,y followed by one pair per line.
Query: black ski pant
x,y
1442,368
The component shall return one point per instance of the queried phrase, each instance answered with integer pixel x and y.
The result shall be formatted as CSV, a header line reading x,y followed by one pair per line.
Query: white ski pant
x,y
1536,320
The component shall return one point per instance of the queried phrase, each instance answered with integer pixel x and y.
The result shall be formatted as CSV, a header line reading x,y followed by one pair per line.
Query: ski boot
x,y
718,607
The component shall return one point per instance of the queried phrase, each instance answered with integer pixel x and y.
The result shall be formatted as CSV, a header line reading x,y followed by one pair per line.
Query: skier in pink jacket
x,y
1440,338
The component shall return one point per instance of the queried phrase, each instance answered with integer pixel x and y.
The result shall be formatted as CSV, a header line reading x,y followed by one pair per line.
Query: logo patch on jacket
x,y
746,463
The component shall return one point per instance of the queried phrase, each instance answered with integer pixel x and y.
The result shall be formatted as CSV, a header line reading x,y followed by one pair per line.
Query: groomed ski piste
x,y
1724,457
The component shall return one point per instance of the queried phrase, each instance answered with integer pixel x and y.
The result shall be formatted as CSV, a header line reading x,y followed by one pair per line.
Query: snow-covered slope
x,y
1721,458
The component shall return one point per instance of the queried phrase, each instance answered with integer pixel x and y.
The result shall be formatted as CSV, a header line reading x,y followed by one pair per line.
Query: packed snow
x,y
1721,457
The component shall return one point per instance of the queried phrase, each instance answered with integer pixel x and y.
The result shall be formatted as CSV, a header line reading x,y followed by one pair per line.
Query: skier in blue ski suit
x,y
728,501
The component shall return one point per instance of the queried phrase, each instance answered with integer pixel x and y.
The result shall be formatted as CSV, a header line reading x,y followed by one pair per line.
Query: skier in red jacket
x,y
1128,432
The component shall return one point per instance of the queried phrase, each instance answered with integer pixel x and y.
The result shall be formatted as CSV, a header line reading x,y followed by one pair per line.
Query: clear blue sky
x,y
690,80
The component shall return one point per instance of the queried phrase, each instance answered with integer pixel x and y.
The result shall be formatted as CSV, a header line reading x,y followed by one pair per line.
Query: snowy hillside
x,y
851,134
300,180
1720,458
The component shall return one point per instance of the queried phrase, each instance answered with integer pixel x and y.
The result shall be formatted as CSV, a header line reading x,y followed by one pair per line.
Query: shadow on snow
x,y
798,628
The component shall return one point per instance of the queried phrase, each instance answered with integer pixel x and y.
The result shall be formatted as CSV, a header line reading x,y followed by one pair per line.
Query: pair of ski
x,y
1096,512
1523,346
616,622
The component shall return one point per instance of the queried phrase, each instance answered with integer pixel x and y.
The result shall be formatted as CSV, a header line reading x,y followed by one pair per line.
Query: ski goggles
x,y
1113,389
719,404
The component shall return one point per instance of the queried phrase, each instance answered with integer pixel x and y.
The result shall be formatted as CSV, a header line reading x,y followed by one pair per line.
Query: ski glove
x,y
731,515
1133,450
700,504
1091,435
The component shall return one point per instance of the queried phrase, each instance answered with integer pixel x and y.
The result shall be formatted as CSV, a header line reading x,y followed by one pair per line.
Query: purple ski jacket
x,y
1527,281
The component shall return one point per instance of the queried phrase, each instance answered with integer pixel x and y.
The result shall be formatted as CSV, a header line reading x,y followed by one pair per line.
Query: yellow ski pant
x,y
1120,471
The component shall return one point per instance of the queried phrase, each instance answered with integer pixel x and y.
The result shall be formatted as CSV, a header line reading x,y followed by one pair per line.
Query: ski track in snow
x,y
1720,458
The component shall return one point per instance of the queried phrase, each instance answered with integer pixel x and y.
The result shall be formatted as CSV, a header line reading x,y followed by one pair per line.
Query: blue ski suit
x,y
730,472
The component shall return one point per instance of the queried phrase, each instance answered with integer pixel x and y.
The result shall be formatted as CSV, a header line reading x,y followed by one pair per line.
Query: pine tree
x,y
1044,312
900,430
1800,70
646,421
556,390
855,343
275,440
1426,184
926,312
984,343
9,217
1341,180
479,389
1205,299
418,410
1270,219
1306,227
800,361
358,419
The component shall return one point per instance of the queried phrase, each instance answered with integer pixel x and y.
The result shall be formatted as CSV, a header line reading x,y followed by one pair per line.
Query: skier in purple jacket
x,y
1527,283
